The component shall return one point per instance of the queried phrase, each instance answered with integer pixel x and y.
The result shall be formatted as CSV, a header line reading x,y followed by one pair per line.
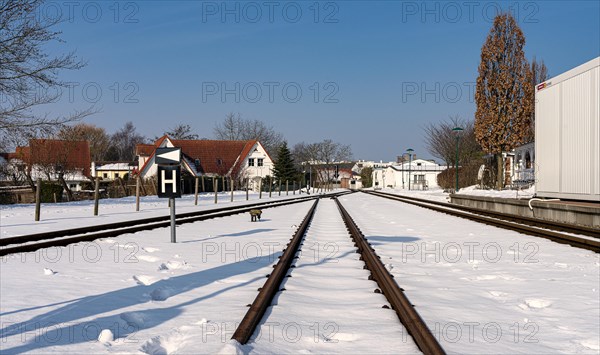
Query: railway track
x,y
33,242
576,236
405,311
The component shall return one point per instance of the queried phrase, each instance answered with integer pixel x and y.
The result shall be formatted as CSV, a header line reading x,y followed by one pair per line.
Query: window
x,y
72,186
251,162
419,178
260,162
219,162
197,164
105,175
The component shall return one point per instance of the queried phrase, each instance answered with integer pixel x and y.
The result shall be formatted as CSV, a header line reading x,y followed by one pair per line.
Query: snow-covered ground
x,y
149,295
18,220
482,289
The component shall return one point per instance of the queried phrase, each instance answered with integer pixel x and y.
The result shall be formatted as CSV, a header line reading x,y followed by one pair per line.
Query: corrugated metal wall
x,y
567,135
547,129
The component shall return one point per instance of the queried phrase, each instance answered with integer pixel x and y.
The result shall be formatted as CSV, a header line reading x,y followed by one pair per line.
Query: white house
x,y
238,160
422,174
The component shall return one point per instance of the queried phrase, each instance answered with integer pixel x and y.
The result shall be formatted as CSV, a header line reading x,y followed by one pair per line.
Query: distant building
x,y
422,175
112,170
239,160
49,158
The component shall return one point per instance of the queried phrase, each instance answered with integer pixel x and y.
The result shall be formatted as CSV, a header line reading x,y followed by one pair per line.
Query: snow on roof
x,y
113,166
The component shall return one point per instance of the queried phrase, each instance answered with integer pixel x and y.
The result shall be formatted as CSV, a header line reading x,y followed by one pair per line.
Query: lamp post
x,y
409,151
457,131
402,162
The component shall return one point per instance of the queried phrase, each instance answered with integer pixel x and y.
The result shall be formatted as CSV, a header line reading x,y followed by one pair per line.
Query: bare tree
x,y
539,74
182,131
123,143
236,128
441,141
28,75
96,136
322,155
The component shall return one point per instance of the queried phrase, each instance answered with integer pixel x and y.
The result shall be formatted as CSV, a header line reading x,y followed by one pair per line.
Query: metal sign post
x,y
169,179
173,237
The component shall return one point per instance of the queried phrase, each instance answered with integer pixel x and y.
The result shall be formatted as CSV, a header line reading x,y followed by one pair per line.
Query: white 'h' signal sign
x,y
169,178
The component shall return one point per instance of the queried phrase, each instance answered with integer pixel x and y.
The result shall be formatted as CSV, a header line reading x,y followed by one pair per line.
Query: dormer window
x,y
219,162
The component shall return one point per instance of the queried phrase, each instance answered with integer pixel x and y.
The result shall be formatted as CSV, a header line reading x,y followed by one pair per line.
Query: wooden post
x,y
287,187
196,191
38,199
231,186
279,187
143,186
247,187
293,187
270,185
137,193
203,189
260,188
96,195
154,183
215,187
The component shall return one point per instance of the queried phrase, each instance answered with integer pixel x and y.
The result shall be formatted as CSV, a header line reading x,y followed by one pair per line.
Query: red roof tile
x,y
214,156
69,154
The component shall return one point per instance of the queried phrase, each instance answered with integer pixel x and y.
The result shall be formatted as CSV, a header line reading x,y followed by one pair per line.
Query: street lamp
x,y
457,131
409,151
402,162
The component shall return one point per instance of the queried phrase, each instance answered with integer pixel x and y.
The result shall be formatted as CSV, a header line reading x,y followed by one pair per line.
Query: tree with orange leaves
x,y
504,93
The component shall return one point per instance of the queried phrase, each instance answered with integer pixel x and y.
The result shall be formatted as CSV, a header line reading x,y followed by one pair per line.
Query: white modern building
x,y
421,173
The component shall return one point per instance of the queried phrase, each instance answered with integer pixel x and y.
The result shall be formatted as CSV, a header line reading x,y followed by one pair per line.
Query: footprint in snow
x,y
173,265
144,279
161,294
535,303
49,272
134,319
148,258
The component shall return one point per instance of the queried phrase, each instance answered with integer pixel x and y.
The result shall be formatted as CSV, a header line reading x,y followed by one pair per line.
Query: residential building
x,y
238,160
421,173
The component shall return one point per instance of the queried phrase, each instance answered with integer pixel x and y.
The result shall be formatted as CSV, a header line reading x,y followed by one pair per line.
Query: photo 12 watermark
x,y
270,92
326,12
126,12
438,92
469,252
467,11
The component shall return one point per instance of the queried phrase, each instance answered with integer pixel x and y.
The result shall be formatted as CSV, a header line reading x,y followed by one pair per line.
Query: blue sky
x,y
366,73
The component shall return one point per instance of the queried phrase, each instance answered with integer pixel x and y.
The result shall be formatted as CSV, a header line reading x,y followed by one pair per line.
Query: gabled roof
x,y
71,154
214,156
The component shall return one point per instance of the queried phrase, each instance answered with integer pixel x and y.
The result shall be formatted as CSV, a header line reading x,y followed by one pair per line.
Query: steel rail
x,y
499,220
268,291
408,315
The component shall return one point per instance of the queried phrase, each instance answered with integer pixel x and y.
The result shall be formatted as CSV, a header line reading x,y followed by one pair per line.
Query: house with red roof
x,y
238,160
49,158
